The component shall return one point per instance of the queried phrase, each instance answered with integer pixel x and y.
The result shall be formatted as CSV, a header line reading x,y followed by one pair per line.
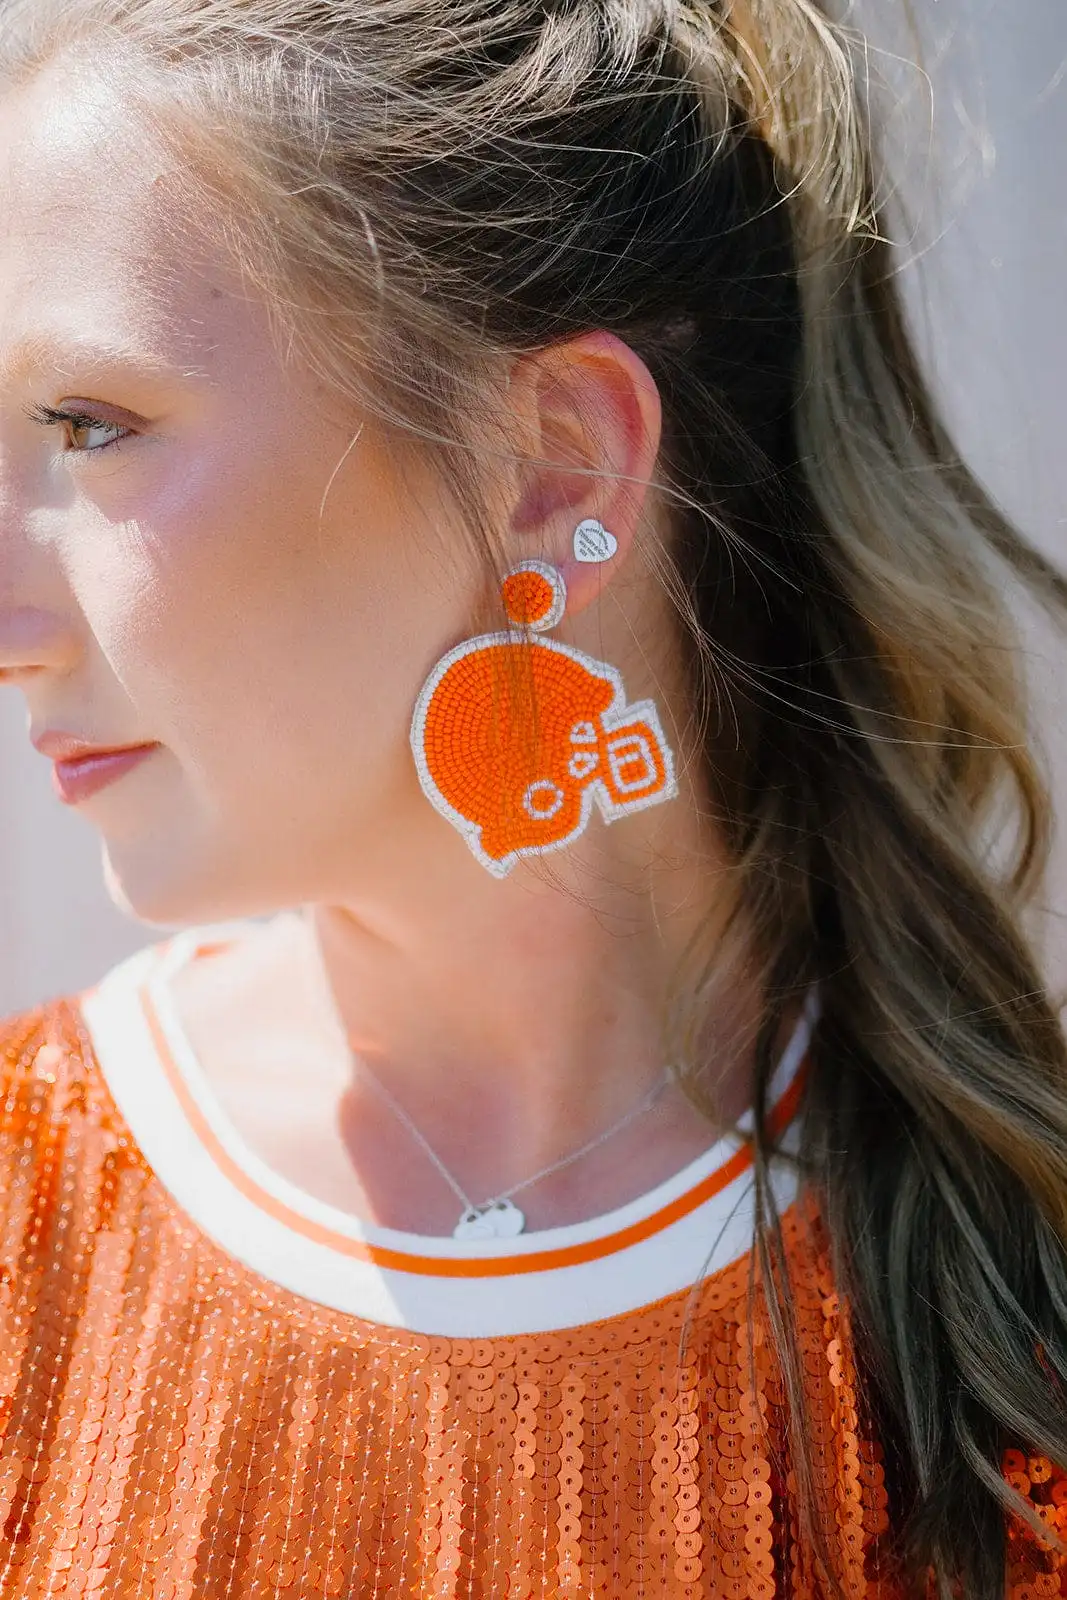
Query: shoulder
x,y
35,1047
63,1053
52,1086
59,1130
51,1039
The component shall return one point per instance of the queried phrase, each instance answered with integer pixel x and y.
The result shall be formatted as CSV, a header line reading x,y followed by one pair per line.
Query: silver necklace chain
x,y
497,1200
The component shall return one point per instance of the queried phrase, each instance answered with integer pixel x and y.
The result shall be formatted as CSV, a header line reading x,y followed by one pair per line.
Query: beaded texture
x,y
516,738
175,1426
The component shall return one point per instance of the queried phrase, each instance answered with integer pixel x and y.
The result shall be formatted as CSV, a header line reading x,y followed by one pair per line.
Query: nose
x,y
32,640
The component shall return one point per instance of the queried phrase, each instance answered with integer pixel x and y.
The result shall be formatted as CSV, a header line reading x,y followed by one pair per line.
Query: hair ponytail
x,y
844,568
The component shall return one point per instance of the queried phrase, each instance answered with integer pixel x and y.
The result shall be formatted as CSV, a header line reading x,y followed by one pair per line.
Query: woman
x,y
599,1128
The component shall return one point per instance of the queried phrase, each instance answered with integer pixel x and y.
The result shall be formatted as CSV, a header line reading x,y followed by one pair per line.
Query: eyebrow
x,y
40,351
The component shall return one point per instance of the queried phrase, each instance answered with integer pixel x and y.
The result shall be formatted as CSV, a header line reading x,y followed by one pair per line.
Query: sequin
x,y
174,1427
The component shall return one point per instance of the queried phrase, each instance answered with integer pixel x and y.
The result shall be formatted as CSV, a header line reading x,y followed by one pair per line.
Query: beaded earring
x,y
517,737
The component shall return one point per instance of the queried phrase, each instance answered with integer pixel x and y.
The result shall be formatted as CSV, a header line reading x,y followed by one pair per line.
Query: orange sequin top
x,y
213,1385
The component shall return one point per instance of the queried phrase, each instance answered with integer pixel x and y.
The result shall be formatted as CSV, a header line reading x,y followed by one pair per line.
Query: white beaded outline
x,y
617,716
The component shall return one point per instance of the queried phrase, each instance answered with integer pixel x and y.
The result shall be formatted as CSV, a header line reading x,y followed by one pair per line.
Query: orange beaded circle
x,y
530,598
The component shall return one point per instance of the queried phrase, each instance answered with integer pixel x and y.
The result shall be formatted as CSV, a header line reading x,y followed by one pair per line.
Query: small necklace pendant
x,y
498,1220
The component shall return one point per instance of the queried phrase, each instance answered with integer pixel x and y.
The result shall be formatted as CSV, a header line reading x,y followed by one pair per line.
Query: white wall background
x,y
979,138
986,185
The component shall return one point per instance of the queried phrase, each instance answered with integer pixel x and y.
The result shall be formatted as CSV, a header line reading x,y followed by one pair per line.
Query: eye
x,y
79,421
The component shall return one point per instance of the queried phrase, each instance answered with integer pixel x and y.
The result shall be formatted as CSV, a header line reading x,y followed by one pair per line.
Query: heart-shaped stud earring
x,y
593,542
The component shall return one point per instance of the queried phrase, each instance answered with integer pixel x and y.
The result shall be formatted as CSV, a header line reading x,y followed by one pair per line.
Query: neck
x,y
513,1021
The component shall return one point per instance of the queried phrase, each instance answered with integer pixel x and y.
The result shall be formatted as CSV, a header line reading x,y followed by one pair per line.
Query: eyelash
x,y
49,417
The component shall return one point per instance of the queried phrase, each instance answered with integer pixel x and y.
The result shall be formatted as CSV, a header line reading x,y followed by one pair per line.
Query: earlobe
x,y
587,567
594,418
593,543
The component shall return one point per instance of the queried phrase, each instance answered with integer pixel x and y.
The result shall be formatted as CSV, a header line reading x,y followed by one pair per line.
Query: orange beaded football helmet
x,y
517,737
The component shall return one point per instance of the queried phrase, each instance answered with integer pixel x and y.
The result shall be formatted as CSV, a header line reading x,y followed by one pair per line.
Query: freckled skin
x,y
193,593
256,580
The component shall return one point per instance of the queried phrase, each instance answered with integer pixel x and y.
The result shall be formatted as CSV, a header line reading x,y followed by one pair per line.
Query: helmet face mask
x,y
517,740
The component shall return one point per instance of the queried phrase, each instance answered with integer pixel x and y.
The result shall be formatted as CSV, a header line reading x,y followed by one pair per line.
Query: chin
x,y
162,888
157,901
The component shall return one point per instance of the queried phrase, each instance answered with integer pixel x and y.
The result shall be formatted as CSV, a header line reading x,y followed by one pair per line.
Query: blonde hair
x,y
422,188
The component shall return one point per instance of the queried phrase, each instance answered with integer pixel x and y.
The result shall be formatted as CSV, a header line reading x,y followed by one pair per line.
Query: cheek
x,y
240,630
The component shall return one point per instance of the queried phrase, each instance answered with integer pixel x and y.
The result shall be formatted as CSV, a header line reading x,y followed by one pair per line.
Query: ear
x,y
590,422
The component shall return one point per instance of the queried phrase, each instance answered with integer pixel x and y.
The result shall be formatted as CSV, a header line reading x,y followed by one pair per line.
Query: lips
x,y
77,780
67,747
